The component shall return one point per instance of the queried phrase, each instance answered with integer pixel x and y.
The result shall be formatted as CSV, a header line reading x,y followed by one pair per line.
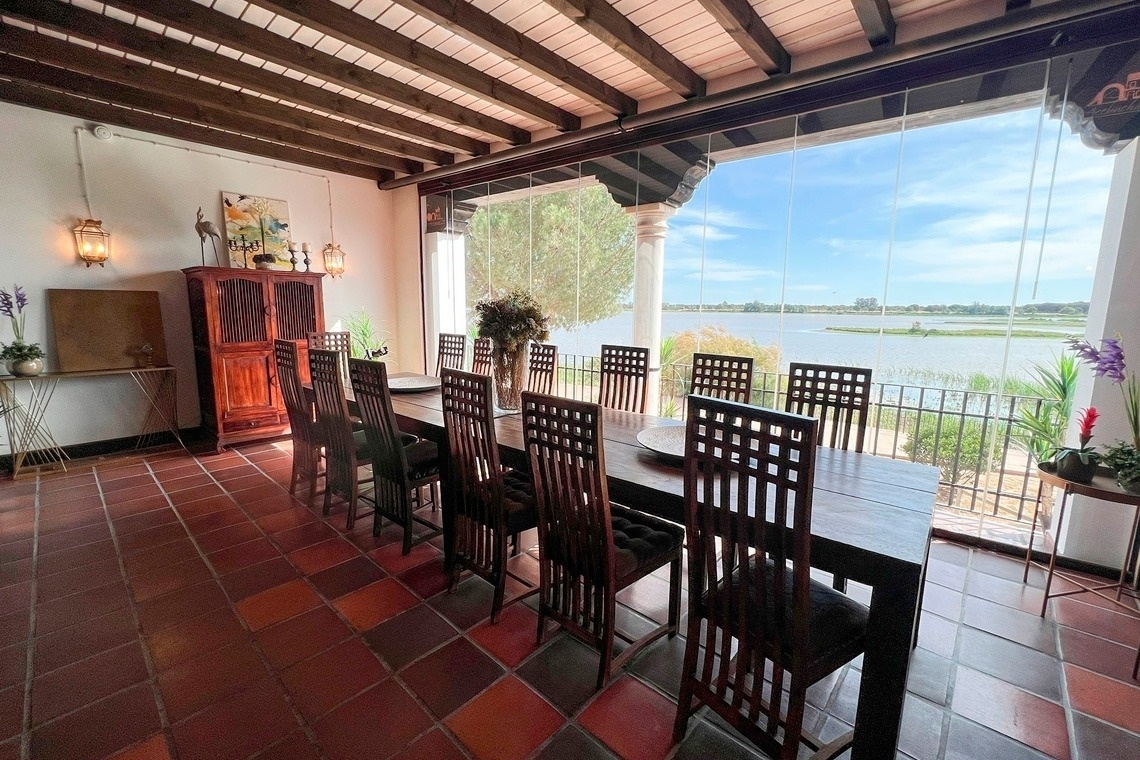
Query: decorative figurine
x,y
206,228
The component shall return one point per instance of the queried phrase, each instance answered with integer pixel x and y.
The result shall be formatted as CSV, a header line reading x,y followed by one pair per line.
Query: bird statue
x,y
204,227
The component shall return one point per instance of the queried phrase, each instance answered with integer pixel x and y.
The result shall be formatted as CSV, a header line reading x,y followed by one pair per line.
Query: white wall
x,y
146,190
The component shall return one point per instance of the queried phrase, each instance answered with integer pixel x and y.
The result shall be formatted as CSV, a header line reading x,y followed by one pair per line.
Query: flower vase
x,y
509,378
26,367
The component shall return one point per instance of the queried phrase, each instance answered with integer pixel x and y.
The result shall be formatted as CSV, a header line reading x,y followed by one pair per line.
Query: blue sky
x,y
958,223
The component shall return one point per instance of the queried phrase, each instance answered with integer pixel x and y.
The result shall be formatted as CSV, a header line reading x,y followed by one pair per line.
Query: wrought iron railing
x,y
969,435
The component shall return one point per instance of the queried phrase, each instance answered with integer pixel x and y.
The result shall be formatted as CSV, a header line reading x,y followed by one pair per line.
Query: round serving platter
x,y
667,441
413,384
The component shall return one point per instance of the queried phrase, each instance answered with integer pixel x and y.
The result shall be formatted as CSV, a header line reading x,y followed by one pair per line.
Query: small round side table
x,y
1104,488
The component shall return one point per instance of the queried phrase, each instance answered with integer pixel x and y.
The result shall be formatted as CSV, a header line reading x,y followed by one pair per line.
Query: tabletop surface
x,y
879,508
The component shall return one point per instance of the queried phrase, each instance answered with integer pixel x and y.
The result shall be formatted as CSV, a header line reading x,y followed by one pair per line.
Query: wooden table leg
x,y
882,688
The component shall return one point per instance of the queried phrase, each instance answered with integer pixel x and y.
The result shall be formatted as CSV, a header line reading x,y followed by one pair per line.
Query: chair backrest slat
x,y
480,357
564,443
839,397
724,377
624,378
298,408
333,418
542,369
749,474
452,348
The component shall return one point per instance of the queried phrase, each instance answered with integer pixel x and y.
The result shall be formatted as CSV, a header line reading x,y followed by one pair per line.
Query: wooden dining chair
x,y
495,502
590,549
452,350
346,450
624,378
726,377
839,397
543,368
480,357
754,610
340,341
303,428
405,470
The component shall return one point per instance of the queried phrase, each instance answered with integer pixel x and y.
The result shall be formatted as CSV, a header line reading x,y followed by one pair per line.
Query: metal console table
x,y
31,441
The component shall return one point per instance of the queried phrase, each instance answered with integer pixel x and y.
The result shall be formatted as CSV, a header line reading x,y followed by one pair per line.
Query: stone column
x,y
651,225
1097,531
445,259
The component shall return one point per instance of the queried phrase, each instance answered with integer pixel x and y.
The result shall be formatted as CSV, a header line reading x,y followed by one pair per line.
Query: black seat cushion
x,y
363,453
521,507
641,540
423,458
837,624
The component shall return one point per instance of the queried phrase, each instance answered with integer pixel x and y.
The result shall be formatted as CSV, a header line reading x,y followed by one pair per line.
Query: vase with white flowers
x,y
1108,361
24,359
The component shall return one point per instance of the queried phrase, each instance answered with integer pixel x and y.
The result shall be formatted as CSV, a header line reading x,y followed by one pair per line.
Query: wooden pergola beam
x,y
749,31
192,18
349,26
97,28
1013,5
481,28
131,73
172,106
603,21
90,110
877,20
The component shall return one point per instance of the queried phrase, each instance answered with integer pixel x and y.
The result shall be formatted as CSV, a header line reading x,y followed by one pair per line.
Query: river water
x,y
933,360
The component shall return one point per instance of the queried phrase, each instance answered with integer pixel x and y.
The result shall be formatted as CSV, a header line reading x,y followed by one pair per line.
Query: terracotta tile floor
x,y
178,607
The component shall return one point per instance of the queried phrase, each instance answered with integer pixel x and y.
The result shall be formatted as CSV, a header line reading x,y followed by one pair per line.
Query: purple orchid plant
x,y
1108,361
12,306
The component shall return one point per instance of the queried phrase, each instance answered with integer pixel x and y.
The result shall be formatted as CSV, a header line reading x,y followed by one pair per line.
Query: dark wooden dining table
x,y
871,521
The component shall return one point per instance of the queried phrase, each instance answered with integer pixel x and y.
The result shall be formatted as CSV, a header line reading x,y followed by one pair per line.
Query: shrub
x,y
954,445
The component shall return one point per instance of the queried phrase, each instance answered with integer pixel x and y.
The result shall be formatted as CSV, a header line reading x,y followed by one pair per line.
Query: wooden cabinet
x,y
235,315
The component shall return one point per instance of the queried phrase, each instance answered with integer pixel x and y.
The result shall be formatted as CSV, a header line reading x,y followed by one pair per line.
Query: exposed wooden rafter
x,y
192,18
877,20
749,31
603,21
125,71
1013,5
31,72
480,28
372,37
82,108
97,28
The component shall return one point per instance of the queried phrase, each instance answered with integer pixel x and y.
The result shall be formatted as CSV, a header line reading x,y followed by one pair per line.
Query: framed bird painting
x,y
256,226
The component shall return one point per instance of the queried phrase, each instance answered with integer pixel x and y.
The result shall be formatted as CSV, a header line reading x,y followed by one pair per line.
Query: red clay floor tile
x,y
244,583
1018,714
302,637
154,748
99,729
392,559
632,719
432,677
313,559
346,577
79,642
377,724
243,555
70,687
512,638
209,678
1110,700
322,682
295,746
237,727
432,746
181,605
406,636
207,633
506,722
368,607
277,604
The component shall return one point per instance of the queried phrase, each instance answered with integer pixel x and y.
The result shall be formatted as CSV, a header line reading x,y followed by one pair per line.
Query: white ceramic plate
x,y
413,384
668,441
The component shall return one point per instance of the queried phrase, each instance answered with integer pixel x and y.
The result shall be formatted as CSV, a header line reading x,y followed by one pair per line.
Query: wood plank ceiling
x,y
381,89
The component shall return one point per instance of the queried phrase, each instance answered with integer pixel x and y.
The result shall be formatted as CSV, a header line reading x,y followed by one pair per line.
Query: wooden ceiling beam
x,y
132,73
200,21
97,28
877,20
172,106
90,110
749,31
349,26
1014,5
481,28
603,21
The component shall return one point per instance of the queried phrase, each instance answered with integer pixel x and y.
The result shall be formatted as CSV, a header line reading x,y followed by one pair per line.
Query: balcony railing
x,y
968,435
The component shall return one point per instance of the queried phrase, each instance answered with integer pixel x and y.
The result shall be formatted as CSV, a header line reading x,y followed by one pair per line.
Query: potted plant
x,y
1108,361
264,260
24,359
1040,428
512,323
1079,465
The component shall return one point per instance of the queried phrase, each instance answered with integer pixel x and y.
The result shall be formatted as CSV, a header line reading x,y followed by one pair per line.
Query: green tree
x,y
574,251
866,304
